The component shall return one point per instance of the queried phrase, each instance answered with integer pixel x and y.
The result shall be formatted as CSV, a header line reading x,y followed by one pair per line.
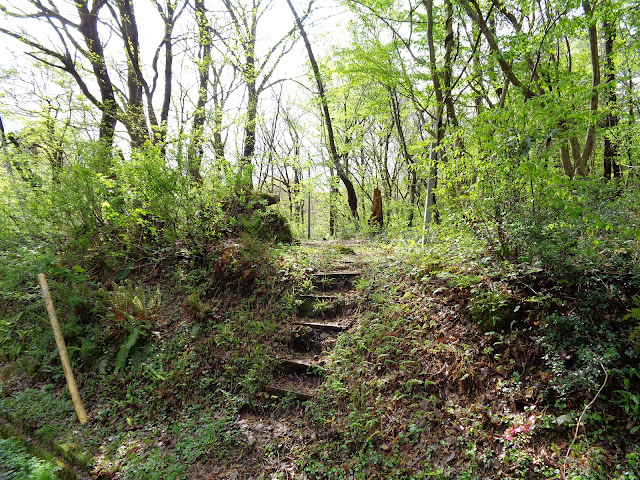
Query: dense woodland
x,y
162,160
494,109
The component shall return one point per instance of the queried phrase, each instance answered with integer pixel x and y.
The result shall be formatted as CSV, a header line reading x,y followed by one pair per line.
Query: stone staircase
x,y
324,314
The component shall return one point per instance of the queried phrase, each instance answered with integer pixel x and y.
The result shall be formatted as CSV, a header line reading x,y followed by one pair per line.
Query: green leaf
x,y
126,347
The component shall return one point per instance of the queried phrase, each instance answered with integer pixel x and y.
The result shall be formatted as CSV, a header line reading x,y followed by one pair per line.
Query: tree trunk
x,y
195,150
352,199
218,99
333,193
135,120
567,165
89,29
438,120
610,145
448,69
249,132
413,177
376,218
589,142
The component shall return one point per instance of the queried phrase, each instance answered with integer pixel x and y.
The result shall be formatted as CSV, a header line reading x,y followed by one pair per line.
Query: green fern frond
x,y
125,348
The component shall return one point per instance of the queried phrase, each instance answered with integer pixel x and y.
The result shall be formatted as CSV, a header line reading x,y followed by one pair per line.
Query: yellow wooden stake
x,y
62,349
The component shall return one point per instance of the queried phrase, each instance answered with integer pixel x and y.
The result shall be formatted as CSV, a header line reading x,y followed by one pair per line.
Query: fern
x,y
139,355
132,306
123,353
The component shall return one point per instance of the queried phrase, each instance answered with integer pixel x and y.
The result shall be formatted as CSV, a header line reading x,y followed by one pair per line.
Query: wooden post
x,y
62,349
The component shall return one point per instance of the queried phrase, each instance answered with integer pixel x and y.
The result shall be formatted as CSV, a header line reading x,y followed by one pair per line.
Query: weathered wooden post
x,y
62,349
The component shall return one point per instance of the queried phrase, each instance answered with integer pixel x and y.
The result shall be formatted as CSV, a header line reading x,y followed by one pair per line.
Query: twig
x,y
528,286
575,436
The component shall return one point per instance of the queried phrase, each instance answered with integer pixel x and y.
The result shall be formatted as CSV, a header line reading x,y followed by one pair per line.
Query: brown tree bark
x,y
195,150
611,165
376,217
590,140
352,199
89,29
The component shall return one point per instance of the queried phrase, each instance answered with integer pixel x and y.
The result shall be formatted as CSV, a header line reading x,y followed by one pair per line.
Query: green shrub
x,y
493,310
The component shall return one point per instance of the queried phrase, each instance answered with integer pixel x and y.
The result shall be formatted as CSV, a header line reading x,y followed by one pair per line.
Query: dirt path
x,y
326,312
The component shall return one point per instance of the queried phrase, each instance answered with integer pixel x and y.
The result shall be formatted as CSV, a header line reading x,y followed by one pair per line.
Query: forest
x,y
319,239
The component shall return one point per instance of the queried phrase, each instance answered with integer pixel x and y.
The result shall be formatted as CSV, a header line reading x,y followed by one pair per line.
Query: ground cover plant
x,y
17,463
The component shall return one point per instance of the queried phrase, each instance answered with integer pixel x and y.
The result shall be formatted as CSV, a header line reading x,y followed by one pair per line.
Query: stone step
x,y
321,305
308,365
337,279
284,392
338,274
320,296
332,326
303,388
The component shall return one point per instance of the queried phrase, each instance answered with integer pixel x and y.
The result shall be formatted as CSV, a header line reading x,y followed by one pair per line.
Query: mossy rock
x,y
247,211
274,227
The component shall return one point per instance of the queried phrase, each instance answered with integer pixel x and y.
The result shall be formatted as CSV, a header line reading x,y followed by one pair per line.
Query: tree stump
x,y
376,208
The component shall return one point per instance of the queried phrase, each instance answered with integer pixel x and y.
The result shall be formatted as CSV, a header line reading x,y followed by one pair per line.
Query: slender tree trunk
x,y
448,69
249,131
335,157
195,150
218,110
388,187
159,129
333,193
249,72
168,66
589,143
135,120
632,121
610,145
413,176
439,122
299,204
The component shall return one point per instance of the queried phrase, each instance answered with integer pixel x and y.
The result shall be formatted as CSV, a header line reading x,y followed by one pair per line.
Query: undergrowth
x,y
17,464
